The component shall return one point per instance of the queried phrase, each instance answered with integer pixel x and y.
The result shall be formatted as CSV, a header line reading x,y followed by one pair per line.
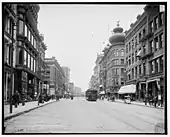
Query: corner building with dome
x,y
114,61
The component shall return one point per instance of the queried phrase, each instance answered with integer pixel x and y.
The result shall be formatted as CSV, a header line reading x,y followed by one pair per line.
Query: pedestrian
x,y
146,99
159,100
155,101
15,98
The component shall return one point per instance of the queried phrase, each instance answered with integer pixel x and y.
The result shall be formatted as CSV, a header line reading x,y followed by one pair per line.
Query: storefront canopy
x,y
127,89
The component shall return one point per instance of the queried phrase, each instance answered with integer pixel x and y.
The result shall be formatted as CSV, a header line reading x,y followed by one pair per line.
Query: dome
x,y
117,36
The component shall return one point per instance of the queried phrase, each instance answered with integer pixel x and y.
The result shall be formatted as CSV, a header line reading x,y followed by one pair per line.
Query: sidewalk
x,y
23,109
139,103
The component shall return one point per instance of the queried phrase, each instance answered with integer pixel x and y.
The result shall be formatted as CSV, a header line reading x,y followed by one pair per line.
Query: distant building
x,y
54,77
71,87
66,71
77,91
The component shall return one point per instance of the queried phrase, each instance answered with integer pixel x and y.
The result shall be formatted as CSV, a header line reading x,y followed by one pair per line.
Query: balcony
x,y
144,56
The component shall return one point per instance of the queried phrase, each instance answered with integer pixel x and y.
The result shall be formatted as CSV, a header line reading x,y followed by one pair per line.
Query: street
x,y
81,116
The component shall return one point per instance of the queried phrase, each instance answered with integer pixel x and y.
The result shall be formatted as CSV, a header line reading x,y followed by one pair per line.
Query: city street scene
x,y
84,68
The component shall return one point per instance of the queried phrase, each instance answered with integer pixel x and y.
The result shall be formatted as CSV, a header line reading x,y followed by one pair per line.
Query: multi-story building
x,y
54,77
28,44
9,29
67,76
92,82
145,51
71,87
114,60
77,91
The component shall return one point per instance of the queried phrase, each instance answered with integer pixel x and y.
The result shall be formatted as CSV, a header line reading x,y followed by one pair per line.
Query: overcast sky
x,y
75,33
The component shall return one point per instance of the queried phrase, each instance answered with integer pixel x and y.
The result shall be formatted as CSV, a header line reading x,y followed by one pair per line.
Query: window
x,y
140,36
122,71
136,41
129,61
144,50
152,66
156,23
25,58
117,52
151,26
117,62
122,53
26,31
21,52
144,68
132,58
156,44
32,40
161,19
132,44
28,61
144,32
132,73
28,36
136,71
9,26
161,64
35,44
21,27
129,47
156,65
151,46
126,48
32,67
117,71
140,69
135,55
161,40
122,61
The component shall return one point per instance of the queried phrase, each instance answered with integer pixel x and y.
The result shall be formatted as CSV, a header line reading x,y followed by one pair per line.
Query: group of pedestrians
x,y
18,98
155,101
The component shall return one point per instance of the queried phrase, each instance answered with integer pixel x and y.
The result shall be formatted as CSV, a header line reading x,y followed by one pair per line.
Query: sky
x,y
74,34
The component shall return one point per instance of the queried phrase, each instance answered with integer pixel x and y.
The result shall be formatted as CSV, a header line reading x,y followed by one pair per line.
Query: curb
x,y
142,105
26,111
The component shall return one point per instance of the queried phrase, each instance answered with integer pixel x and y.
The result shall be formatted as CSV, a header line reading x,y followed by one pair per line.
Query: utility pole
x,y
11,70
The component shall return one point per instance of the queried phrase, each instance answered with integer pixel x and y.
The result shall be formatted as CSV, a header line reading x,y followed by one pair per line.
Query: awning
x,y
139,54
102,92
127,89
